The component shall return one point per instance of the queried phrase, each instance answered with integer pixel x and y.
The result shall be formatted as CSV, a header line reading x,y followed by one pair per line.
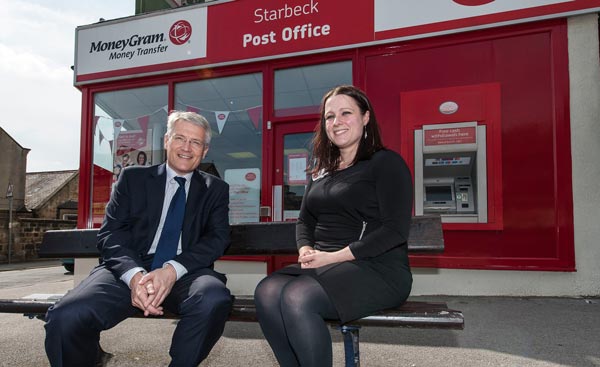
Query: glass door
x,y
293,151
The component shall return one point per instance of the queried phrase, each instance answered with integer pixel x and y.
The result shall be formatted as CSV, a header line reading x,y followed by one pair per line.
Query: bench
x,y
276,238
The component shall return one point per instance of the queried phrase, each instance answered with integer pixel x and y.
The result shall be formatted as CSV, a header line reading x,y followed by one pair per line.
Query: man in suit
x,y
136,273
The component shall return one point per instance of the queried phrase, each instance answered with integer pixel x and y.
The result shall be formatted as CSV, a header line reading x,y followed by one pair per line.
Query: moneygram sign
x,y
139,45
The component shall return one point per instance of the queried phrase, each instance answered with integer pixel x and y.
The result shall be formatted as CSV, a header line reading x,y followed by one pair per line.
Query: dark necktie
x,y
169,237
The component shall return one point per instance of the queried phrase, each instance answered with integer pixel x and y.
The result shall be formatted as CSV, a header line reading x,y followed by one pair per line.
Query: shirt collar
x,y
171,174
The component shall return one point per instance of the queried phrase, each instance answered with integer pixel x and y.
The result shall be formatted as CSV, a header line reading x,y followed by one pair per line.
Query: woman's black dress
x,y
368,207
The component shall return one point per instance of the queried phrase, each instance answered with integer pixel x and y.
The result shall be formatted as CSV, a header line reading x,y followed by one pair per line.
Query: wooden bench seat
x,y
262,239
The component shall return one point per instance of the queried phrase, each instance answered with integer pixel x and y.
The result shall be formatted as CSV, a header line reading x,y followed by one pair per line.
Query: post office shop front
x,y
477,98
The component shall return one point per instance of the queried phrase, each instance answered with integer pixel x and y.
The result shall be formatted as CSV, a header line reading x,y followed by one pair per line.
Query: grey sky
x,y
40,107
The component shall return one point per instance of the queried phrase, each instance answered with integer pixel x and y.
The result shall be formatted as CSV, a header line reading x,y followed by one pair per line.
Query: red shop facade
x,y
475,95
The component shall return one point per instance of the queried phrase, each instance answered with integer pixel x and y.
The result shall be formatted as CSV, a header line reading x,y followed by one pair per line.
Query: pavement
x,y
499,331
22,265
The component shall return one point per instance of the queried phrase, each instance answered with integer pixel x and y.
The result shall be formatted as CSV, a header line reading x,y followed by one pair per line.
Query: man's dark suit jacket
x,y
133,215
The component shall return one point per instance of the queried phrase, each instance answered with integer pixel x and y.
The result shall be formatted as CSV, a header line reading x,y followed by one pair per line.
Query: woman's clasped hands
x,y
310,258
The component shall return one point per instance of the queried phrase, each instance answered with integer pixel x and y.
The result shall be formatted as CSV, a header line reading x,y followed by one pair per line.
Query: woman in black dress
x,y
351,235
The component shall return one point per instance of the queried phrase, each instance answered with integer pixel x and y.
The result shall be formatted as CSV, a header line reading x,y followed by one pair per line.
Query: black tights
x,y
291,312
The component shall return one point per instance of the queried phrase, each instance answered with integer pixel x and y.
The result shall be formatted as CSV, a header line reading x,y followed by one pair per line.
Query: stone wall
x,y
27,235
69,192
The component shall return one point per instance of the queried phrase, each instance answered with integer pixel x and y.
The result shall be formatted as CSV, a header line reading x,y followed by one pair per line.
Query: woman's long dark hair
x,y
326,155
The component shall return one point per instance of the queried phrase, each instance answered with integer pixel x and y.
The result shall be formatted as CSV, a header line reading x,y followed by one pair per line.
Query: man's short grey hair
x,y
192,117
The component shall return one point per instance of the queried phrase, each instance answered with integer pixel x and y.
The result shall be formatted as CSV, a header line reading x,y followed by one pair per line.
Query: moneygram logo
x,y
180,32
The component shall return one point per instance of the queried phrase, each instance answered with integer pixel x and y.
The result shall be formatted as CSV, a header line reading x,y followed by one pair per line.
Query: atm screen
x,y
438,193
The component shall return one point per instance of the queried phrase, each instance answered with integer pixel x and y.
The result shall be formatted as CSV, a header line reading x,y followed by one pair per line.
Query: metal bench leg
x,y
351,351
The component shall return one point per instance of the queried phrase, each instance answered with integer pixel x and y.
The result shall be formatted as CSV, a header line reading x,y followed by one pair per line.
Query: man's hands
x,y
149,291
311,258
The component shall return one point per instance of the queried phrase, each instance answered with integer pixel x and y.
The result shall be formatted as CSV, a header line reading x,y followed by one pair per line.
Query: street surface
x,y
499,331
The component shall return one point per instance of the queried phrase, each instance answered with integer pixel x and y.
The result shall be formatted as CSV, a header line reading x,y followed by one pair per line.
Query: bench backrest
x,y
271,238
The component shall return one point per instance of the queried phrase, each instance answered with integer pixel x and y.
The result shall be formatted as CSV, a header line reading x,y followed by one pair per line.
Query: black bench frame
x,y
277,238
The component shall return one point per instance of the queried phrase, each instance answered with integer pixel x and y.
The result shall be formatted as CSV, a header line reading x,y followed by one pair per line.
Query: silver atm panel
x,y
451,179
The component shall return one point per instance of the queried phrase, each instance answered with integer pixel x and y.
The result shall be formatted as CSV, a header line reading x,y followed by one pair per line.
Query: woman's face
x,y
344,122
141,159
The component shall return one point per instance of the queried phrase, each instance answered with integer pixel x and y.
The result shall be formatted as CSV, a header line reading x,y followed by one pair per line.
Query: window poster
x,y
297,163
244,194
134,148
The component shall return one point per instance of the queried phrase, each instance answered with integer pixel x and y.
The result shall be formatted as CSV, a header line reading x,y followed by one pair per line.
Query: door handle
x,y
264,211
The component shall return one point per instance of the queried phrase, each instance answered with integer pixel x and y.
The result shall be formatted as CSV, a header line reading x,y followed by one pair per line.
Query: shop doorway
x,y
292,156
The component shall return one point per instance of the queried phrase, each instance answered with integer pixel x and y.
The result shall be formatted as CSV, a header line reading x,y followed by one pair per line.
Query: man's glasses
x,y
181,140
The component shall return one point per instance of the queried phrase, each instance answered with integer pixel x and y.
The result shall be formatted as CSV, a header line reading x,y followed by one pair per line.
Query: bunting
x,y
96,118
143,122
192,109
254,114
101,137
117,125
221,117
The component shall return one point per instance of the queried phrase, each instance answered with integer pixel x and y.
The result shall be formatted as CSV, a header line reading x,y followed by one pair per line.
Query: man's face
x,y
185,147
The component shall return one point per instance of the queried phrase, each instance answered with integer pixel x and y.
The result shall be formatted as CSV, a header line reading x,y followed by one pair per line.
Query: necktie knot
x,y
180,181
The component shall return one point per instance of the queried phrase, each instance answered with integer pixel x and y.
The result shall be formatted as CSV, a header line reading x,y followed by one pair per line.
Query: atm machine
x,y
450,172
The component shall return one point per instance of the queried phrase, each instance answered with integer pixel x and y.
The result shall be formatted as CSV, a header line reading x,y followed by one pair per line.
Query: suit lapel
x,y
155,196
192,207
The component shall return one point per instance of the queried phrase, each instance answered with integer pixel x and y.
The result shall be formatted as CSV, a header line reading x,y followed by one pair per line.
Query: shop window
x,y
128,130
233,106
298,91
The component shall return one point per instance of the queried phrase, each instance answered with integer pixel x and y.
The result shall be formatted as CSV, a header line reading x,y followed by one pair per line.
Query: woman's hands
x,y
310,258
